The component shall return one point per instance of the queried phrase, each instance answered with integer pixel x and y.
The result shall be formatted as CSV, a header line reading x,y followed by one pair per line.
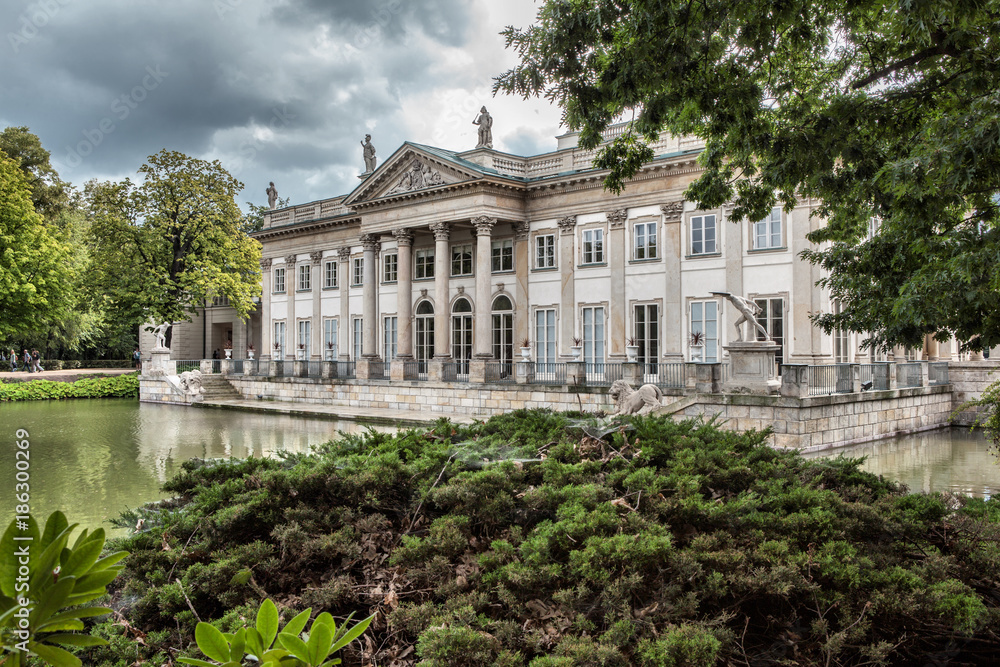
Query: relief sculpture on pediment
x,y
418,177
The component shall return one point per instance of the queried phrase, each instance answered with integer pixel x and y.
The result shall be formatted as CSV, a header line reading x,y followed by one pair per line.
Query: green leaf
x,y
295,646
42,576
83,557
326,619
267,622
86,612
320,641
55,526
73,640
297,624
211,642
241,577
353,633
54,655
255,643
8,560
237,645
52,600
108,561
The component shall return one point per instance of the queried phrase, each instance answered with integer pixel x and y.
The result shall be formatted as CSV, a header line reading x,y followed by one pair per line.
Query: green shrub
x,y
119,386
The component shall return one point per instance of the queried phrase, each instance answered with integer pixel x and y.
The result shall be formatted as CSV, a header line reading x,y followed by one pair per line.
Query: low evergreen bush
x,y
549,540
119,386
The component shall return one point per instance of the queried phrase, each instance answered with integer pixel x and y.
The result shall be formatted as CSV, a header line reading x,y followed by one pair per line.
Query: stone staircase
x,y
217,388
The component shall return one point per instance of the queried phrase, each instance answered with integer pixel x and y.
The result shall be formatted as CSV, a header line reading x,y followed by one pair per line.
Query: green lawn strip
x,y
120,386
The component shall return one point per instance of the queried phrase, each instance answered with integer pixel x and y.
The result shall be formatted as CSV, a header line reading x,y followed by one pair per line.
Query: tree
x,y
49,193
34,271
254,220
164,247
883,111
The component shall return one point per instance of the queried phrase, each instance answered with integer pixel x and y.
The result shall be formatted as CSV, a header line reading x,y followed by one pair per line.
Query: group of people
x,y
31,361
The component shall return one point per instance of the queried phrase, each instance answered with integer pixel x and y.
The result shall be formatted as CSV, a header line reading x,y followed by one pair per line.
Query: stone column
x,y
617,305
482,341
673,306
442,332
404,293
369,327
266,326
804,341
522,268
344,335
732,236
930,348
316,328
291,329
567,305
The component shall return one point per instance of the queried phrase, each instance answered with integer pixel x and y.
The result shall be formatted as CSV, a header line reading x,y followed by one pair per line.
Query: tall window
x,y
389,337
423,264
503,255
705,320
703,237
593,335
390,266
503,329
461,334
305,277
279,340
647,334
357,271
220,300
545,251
279,279
330,274
330,337
304,339
841,353
461,260
772,318
767,232
358,337
593,246
644,238
545,336
424,331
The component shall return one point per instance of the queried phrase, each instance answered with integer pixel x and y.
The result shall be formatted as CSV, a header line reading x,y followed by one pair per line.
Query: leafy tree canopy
x,y
49,194
884,111
34,270
162,248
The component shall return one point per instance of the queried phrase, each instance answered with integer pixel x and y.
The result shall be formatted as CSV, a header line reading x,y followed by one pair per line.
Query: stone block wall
x,y
159,390
968,380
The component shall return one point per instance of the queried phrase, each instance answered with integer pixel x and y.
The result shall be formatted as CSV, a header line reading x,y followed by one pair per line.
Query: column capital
x,y
370,242
521,230
442,230
344,254
672,211
290,260
484,225
567,225
316,256
265,265
404,237
617,218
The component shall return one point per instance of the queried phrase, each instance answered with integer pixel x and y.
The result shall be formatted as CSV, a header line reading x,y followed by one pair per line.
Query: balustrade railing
x,y
908,374
251,367
500,372
378,370
874,377
347,370
603,374
455,371
188,365
314,369
551,373
665,375
237,366
937,373
415,369
831,379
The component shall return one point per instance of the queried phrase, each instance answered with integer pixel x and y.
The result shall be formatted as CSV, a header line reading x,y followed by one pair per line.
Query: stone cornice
x,y
304,227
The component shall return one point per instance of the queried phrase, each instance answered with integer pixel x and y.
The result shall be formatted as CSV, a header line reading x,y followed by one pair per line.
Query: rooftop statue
x,y
748,313
485,123
369,154
272,196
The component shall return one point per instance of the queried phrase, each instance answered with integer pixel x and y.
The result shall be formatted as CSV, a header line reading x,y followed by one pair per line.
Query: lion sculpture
x,y
631,401
191,382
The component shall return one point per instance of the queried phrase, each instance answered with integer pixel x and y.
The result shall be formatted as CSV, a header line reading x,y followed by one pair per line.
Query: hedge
x,y
119,386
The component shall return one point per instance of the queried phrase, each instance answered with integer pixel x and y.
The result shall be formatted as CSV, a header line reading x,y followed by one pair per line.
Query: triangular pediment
x,y
412,169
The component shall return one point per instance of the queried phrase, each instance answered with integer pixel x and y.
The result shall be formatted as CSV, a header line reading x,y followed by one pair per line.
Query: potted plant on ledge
x,y
697,345
576,349
631,349
526,349
250,351
331,351
302,351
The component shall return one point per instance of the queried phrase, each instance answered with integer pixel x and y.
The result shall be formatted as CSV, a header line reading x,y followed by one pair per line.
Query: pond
x,y
94,458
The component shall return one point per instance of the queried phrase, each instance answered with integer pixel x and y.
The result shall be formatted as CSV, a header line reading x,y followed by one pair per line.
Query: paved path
x,y
70,375
362,415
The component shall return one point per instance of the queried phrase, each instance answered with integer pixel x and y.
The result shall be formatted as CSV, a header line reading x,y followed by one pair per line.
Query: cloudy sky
x,y
280,90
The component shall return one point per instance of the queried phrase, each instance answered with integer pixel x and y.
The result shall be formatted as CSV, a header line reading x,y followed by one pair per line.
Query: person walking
x,y
36,361
26,358
13,360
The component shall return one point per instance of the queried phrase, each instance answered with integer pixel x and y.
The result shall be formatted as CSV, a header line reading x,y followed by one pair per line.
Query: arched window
x,y
461,334
424,332
503,329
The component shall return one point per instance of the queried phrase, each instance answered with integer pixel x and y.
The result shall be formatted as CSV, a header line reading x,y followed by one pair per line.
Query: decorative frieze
x,y
617,218
672,212
567,225
419,176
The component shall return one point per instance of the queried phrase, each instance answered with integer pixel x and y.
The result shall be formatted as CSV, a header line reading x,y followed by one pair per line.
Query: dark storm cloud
x,y
268,90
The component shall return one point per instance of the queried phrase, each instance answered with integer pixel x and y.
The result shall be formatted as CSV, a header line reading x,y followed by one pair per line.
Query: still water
x,y
955,460
94,458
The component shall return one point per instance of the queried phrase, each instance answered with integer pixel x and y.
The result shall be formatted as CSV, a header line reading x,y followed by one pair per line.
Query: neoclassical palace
x,y
443,256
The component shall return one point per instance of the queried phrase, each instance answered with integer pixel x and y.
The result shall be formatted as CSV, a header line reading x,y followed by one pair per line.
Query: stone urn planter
x,y
229,352
576,351
632,352
331,354
696,353
250,354
526,353
301,354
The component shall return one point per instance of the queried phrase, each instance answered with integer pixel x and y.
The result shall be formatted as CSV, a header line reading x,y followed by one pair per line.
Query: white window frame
x,y
465,255
701,242
390,268
768,233
330,335
357,271
330,273
390,337
502,256
592,246
545,251
303,336
645,240
772,313
279,337
646,331
279,280
546,336
423,264
595,328
304,283
698,321
357,342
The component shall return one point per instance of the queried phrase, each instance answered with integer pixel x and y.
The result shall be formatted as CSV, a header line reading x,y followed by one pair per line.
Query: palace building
x,y
443,256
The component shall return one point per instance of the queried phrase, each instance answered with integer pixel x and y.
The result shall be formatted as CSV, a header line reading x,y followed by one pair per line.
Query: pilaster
x,y
371,245
292,328
673,306
404,294
266,326
522,268
316,327
567,304
344,325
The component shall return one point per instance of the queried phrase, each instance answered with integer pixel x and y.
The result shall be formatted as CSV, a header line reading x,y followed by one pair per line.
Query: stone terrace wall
x,y
473,399
820,422
968,380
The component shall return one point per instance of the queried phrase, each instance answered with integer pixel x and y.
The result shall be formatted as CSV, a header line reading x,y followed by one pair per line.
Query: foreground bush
x,y
546,540
120,386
